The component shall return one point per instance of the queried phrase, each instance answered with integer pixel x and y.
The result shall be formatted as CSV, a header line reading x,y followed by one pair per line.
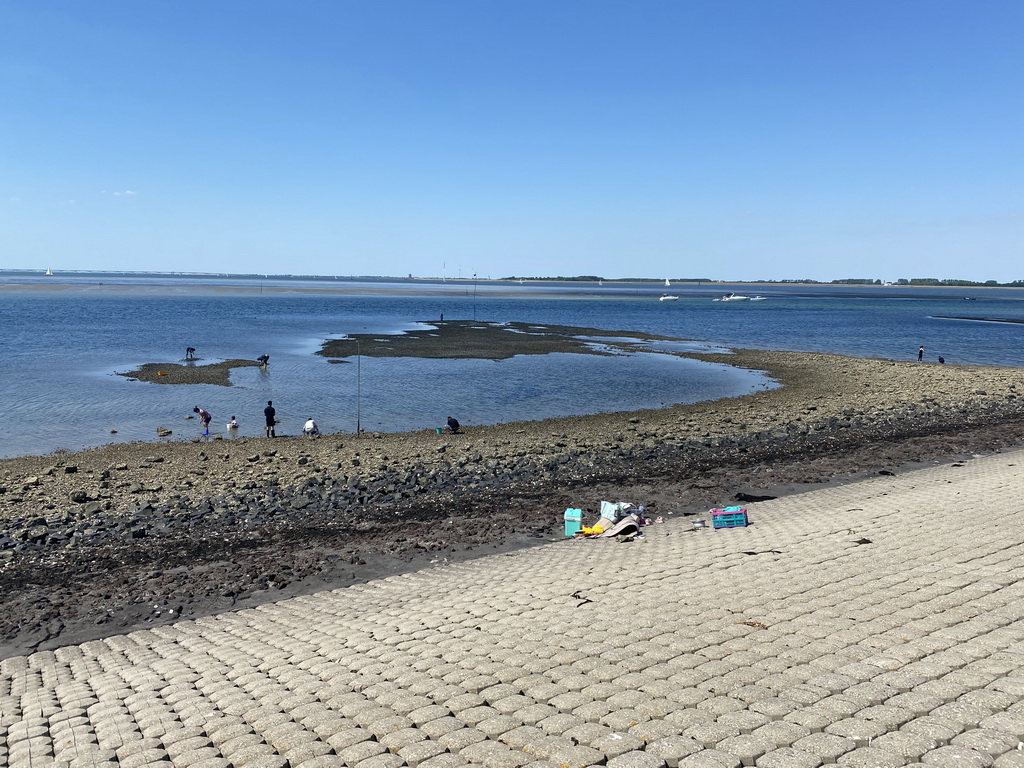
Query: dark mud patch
x,y
485,340
188,373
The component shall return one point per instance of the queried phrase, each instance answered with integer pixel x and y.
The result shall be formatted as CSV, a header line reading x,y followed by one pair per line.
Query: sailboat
x,y
667,283
49,272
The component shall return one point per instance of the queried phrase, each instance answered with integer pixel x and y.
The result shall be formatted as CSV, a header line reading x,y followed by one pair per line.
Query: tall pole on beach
x,y
474,296
359,386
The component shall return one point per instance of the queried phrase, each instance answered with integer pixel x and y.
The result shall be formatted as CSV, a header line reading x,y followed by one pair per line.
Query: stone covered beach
x,y
141,535
870,624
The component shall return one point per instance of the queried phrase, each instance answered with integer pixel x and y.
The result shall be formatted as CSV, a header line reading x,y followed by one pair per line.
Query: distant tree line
x,y
936,281
597,278
842,281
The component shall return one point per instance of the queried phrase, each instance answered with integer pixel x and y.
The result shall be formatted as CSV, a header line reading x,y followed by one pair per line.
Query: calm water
x,y
64,341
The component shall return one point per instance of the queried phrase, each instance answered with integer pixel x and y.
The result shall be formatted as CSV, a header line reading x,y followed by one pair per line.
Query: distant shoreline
x,y
340,281
482,289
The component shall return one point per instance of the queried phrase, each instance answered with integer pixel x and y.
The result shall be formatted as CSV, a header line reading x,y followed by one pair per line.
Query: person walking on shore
x,y
204,419
271,417
920,354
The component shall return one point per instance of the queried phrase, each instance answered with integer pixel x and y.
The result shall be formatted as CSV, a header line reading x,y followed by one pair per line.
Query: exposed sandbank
x,y
188,373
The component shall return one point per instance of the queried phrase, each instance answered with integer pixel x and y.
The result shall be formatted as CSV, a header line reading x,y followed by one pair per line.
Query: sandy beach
x,y
140,535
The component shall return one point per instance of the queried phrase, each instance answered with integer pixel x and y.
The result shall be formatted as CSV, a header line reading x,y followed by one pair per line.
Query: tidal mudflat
x,y
140,534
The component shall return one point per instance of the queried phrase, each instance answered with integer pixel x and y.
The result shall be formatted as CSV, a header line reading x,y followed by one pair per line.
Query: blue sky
x,y
731,139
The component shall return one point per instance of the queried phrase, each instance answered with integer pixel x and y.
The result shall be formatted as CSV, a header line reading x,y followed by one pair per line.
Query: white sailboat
x,y
49,272
667,283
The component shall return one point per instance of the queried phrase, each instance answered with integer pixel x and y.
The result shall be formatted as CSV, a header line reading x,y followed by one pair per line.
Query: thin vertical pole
x,y
359,387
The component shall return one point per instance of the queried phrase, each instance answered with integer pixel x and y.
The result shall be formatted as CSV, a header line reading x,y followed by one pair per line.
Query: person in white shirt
x,y
310,428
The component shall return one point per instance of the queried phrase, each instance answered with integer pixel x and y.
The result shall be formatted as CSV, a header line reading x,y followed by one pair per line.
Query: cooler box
x,y
573,521
730,517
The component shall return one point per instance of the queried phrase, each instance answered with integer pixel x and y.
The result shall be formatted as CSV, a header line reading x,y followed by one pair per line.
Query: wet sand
x,y
189,373
137,535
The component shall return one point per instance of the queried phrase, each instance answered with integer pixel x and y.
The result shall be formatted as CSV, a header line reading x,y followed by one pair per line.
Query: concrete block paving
x,y
874,624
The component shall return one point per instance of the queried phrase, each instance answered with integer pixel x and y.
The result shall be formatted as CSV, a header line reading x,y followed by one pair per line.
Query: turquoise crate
x,y
573,521
730,517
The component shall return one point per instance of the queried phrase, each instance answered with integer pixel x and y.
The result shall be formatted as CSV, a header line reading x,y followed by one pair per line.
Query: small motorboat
x,y
757,298
667,297
733,297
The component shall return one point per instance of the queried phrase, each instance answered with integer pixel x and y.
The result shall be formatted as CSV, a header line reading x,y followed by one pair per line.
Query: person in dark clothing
x,y
271,416
263,360
920,354
452,425
190,352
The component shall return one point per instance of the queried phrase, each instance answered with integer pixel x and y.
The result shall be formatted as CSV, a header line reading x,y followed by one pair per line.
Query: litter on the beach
x,y
616,519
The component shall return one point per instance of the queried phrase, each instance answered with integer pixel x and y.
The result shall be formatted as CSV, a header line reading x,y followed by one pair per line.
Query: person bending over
x,y
204,419
310,428
452,425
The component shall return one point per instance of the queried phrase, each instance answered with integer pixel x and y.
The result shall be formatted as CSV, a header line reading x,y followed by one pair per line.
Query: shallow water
x,y
64,342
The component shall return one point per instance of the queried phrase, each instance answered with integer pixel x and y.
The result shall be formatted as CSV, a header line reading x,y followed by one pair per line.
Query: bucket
x,y
439,430
573,521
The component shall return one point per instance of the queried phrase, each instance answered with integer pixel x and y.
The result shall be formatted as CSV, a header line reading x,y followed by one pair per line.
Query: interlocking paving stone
x,y
1010,760
962,757
710,758
871,757
788,757
821,655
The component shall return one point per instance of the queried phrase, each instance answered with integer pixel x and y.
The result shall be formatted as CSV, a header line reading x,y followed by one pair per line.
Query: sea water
x,y
65,339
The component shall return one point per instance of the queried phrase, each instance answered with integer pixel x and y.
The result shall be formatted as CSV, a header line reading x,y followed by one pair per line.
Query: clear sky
x,y
731,139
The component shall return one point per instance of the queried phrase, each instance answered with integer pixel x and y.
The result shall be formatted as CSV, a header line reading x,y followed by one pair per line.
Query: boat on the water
x,y
757,298
49,272
733,297
667,297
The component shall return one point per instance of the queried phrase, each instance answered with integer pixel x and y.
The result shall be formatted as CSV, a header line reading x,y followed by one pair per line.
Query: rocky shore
x,y
133,535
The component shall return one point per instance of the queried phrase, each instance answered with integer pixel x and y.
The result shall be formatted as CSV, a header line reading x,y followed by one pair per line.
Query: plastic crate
x,y
730,517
